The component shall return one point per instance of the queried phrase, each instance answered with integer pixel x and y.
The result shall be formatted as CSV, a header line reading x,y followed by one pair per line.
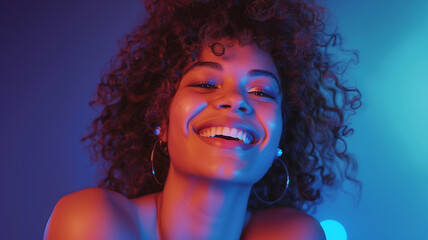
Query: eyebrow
x,y
219,67
258,72
213,65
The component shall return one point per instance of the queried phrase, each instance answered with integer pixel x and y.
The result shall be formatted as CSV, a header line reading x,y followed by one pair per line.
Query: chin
x,y
225,168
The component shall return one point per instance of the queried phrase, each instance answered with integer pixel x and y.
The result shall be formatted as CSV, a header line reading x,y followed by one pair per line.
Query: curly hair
x,y
136,93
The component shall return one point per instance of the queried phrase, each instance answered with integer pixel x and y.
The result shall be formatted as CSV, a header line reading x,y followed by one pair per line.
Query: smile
x,y
227,133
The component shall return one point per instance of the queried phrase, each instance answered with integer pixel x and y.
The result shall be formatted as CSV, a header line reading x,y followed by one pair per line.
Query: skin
x,y
209,181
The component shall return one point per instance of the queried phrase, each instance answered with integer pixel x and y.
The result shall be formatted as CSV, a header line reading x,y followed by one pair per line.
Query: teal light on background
x,y
398,91
334,230
391,130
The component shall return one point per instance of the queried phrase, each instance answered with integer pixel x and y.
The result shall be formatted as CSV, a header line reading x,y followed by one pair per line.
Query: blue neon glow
x,y
157,130
334,230
279,152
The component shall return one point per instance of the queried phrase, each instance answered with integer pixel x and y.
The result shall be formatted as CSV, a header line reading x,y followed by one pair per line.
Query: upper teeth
x,y
227,131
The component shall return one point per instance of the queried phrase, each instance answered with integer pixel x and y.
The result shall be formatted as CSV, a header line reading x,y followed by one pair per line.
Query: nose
x,y
234,102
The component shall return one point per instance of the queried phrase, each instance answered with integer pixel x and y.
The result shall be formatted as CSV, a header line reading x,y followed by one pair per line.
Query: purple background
x,y
52,54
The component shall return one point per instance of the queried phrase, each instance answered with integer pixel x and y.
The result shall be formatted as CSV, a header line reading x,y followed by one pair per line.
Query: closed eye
x,y
205,84
261,92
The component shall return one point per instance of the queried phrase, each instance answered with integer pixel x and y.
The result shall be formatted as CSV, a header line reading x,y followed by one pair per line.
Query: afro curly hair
x,y
136,93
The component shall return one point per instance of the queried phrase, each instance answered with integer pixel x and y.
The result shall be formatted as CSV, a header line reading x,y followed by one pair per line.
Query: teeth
x,y
240,133
234,132
218,130
246,139
227,131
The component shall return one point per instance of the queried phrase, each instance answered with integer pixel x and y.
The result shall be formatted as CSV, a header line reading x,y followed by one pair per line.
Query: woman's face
x,y
225,120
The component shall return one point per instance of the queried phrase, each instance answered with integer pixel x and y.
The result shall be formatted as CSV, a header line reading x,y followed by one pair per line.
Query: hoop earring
x,y
287,183
158,142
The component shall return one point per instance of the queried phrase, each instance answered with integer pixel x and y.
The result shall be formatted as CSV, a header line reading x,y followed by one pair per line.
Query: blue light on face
x,y
334,230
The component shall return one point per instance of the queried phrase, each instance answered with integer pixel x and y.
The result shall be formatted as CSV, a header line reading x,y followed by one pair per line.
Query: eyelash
x,y
205,84
255,90
261,92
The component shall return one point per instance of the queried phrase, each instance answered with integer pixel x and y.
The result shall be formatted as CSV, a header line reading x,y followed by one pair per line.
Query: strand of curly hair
x,y
136,92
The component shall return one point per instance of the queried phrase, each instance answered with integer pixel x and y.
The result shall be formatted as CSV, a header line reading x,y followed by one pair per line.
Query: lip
x,y
228,122
227,144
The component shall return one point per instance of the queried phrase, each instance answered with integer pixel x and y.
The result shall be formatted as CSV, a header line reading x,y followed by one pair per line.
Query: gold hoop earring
x,y
165,150
287,183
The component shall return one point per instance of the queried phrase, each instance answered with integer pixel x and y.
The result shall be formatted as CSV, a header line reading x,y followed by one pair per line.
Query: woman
x,y
203,99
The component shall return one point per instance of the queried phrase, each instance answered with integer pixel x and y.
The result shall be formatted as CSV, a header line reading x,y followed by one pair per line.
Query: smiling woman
x,y
235,102
200,104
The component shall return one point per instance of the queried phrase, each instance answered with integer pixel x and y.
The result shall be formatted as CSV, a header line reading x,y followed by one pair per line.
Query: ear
x,y
163,134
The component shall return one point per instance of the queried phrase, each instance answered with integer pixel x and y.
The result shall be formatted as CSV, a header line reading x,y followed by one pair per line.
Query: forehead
x,y
238,57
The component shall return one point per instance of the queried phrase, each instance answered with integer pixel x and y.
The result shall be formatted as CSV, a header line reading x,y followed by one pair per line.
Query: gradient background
x,y
52,54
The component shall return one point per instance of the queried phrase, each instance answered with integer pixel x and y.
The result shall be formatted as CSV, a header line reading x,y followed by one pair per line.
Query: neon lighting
x,y
334,230
157,130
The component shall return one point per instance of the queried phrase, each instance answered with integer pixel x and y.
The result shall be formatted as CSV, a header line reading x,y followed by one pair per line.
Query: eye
x,y
211,84
261,92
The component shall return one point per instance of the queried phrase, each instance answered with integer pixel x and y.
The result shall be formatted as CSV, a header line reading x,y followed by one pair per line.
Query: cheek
x,y
183,108
271,119
276,125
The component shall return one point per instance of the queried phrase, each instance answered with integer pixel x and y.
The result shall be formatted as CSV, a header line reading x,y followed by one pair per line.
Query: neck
x,y
199,208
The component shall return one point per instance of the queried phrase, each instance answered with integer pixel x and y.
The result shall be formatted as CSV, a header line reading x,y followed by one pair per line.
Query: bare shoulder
x,y
283,224
147,214
93,213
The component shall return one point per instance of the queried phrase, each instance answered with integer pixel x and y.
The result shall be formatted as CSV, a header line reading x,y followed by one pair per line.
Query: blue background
x,y
52,54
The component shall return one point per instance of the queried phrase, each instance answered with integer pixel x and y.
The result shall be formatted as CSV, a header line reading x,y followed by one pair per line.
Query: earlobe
x,y
161,132
163,136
